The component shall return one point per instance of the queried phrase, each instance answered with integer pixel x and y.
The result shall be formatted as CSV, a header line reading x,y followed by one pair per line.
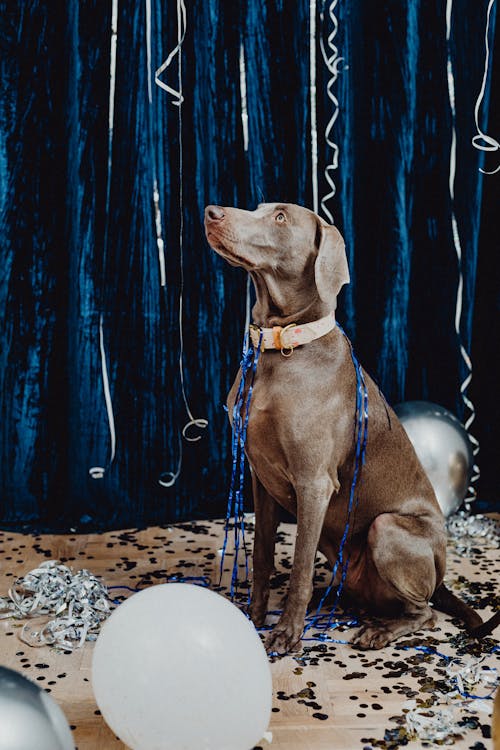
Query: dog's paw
x,y
284,638
257,614
372,636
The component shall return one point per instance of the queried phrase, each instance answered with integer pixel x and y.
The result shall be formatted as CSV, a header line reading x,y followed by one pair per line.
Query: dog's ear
x,y
331,271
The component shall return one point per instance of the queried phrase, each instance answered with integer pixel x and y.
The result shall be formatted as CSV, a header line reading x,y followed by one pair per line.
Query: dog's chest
x,y
273,436
266,450
264,446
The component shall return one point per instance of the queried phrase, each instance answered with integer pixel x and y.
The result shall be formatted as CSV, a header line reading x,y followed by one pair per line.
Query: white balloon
x,y
178,667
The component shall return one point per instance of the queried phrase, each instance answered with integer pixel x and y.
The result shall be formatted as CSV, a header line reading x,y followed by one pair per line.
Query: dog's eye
x,y
280,218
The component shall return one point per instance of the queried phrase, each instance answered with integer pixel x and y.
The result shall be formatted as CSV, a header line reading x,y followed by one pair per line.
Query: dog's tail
x,y
444,600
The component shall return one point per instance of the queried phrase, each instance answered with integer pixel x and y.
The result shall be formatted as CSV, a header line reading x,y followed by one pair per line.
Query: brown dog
x,y
301,441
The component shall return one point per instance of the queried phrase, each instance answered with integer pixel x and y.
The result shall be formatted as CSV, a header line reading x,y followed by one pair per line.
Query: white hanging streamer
x,y
481,140
244,127
332,62
193,421
98,472
312,96
458,249
156,195
148,49
243,94
169,478
181,32
112,78
159,235
178,100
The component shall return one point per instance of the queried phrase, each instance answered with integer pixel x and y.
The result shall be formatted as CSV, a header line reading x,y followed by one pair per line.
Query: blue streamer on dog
x,y
235,505
361,436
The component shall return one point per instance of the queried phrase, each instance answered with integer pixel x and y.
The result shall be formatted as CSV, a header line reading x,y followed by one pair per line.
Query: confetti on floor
x,y
327,695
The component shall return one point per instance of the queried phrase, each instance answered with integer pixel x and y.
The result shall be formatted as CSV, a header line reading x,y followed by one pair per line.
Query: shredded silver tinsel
x,y
78,601
471,674
432,724
466,531
439,723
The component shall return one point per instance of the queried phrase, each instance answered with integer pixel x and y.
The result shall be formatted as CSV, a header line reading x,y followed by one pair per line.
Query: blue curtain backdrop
x,y
78,237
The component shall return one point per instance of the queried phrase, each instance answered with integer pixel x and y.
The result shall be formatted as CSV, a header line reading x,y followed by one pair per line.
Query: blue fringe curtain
x,y
78,238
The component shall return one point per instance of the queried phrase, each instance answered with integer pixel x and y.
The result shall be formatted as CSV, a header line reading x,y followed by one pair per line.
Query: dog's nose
x,y
214,213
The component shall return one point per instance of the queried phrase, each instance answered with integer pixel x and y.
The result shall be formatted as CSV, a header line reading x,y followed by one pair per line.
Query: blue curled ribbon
x,y
235,504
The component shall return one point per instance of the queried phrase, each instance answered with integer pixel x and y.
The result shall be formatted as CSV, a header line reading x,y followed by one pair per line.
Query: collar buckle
x,y
278,332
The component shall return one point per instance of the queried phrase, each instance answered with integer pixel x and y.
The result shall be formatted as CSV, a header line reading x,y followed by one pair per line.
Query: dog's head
x,y
282,239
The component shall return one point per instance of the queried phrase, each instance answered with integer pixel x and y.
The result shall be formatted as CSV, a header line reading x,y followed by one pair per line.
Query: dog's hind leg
x,y
266,523
404,564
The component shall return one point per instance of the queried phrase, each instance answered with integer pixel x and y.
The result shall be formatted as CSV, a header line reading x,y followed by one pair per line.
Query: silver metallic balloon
x,y
443,447
29,718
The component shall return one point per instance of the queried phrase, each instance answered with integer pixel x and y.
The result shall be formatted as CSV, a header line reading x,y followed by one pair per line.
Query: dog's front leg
x,y
312,503
266,523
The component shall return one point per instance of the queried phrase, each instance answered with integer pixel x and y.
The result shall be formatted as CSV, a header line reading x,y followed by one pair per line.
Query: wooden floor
x,y
327,695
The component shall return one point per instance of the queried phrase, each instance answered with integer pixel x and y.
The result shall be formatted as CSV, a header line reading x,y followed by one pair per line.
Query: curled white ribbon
x,y
458,249
98,472
312,99
332,62
481,140
181,33
169,478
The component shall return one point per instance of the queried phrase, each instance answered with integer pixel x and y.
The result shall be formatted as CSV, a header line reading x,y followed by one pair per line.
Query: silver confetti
x,y
471,674
432,724
466,530
78,602
438,724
